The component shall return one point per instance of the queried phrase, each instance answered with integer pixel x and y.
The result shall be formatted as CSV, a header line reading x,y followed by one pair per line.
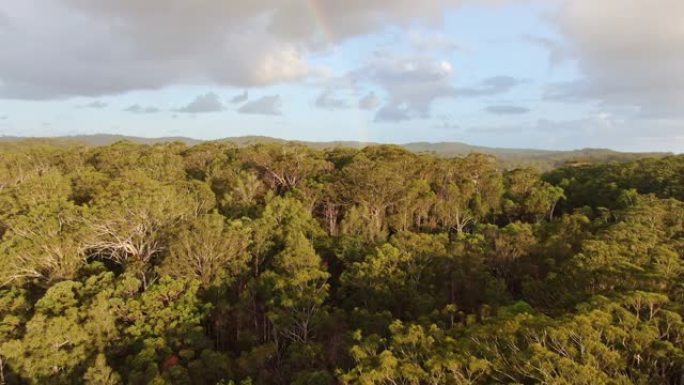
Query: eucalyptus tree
x,y
131,220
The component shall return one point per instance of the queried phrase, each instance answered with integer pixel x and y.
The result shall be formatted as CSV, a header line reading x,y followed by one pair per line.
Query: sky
x,y
552,74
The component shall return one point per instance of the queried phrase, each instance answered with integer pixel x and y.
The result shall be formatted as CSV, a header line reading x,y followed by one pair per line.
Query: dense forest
x,y
283,264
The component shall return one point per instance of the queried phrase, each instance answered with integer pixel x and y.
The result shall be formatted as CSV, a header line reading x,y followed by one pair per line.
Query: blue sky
x,y
556,74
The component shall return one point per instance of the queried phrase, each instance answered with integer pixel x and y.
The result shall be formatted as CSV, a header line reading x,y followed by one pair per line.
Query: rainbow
x,y
319,16
320,19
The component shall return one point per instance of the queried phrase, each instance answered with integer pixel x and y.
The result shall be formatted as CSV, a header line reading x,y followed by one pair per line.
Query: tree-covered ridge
x,y
282,264
507,157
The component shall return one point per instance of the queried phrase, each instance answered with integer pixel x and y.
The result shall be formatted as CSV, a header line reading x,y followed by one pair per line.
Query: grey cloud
x,y
4,20
500,83
447,125
226,42
217,42
393,113
138,109
507,110
497,130
603,129
635,59
4,117
345,19
240,98
594,124
94,105
328,100
491,86
209,102
369,102
266,105
610,131
413,84
617,128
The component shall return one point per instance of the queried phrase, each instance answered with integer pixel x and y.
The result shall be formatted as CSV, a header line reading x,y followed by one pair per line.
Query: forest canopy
x,y
283,264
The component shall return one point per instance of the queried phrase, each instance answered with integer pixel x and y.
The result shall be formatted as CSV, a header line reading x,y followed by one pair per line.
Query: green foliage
x,y
209,250
528,197
45,245
280,264
100,373
296,287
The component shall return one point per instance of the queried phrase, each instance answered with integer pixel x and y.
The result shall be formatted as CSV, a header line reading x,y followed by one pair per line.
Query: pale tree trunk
x,y
331,212
2,372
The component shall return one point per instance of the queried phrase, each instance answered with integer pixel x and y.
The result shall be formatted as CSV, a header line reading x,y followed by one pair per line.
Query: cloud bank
x,y
93,48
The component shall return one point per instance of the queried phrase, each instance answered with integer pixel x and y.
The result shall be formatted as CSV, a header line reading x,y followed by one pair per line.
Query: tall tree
x,y
209,250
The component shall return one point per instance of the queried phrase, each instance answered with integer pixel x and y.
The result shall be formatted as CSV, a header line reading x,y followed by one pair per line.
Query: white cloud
x,y
283,63
266,105
209,102
507,110
412,84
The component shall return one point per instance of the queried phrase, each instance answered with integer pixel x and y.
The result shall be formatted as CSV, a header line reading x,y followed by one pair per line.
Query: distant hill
x,y
543,159
101,139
